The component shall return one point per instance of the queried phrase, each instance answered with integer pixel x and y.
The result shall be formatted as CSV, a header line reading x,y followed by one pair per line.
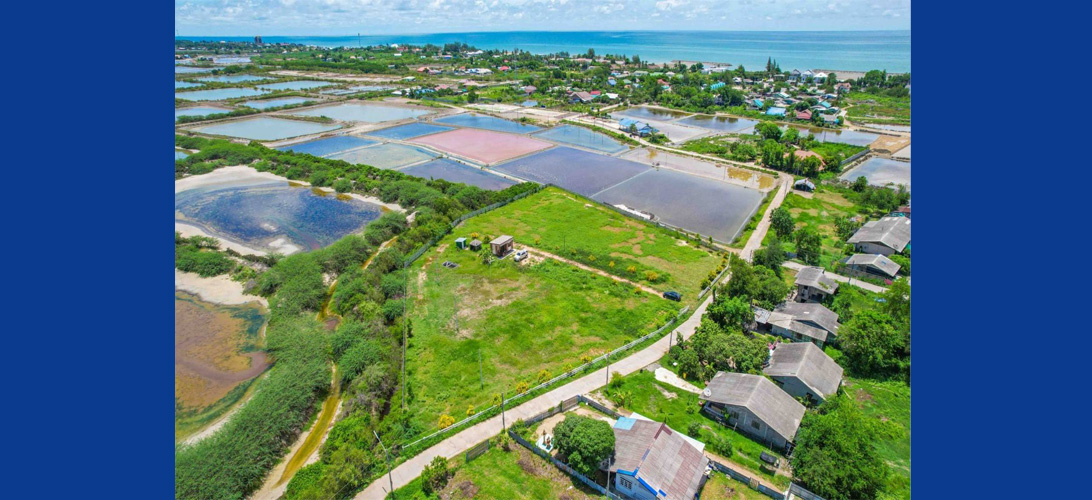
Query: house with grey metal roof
x,y
885,236
798,321
872,265
654,462
804,371
813,285
753,405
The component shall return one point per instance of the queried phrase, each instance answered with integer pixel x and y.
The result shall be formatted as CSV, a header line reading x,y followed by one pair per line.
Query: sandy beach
x,y
217,289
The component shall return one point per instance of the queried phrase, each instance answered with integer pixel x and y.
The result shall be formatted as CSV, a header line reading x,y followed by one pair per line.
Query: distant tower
x,y
258,40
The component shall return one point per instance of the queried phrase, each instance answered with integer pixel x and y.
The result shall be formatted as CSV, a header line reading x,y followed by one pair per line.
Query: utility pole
x,y
504,426
481,374
389,478
608,367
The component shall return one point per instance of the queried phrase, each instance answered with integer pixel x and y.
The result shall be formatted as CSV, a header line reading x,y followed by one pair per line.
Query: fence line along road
x,y
457,444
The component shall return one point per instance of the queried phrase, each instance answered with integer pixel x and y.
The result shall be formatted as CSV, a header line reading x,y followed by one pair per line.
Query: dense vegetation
x,y
585,442
835,456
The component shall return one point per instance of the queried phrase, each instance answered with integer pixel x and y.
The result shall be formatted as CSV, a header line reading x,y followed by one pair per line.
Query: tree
x,y
585,441
790,136
835,454
845,227
771,256
781,222
808,246
859,184
434,476
897,300
872,344
689,364
722,349
768,130
730,312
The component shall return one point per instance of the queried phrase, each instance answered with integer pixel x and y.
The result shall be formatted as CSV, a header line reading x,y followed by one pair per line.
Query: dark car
x,y
673,296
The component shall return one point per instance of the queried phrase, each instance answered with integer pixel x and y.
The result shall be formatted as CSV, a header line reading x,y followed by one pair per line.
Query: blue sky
x,y
344,17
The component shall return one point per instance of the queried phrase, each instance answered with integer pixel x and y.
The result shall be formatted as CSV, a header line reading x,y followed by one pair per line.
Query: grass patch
x,y
873,107
741,240
722,487
890,401
819,213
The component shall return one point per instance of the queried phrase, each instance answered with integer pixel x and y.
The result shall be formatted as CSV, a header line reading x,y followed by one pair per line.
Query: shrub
x,y
434,476
445,421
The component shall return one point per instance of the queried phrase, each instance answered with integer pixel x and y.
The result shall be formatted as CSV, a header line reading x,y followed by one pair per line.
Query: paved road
x,y
796,266
456,444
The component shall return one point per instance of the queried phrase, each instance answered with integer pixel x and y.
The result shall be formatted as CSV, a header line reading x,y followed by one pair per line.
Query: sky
x,y
378,17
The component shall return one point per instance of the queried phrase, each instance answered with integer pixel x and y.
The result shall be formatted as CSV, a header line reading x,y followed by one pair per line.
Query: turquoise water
x,y
178,155
296,85
198,111
185,85
836,50
488,123
275,103
323,147
354,112
218,94
189,69
580,136
265,128
256,213
232,78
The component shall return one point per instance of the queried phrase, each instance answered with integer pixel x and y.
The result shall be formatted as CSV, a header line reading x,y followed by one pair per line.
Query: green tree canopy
x,y
585,441
835,455
781,222
808,246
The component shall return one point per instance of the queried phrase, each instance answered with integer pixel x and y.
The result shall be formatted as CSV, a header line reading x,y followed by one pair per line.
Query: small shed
x,y
460,243
804,185
502,245
475,245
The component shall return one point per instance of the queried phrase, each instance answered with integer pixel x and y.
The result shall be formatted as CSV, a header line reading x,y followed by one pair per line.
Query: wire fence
x,y
564,467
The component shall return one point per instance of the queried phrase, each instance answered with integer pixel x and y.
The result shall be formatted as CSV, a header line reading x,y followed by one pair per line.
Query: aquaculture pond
x,y
408,131
893,128
356,90
691,165
483,146
185,85
232,78
573,169
642,113
226,60
190,69
198,111
323,147
385,156
276,103
359,112
881,172
295,85
488,123
272,215
265,128
218,94
853,137
711,208
727,124
453,171
580,136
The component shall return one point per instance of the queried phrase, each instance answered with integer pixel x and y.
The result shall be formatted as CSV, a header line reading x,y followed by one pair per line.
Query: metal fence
x,y
712,284
753,483
564,467
477,451
853,158
797,491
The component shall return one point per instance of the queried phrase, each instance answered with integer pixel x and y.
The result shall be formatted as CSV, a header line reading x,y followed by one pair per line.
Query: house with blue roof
x,y
757,103
718,85
652,461
825,104
775,111
643,129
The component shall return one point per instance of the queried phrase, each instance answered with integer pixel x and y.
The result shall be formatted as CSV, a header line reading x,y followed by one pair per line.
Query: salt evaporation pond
x,y
843,136
266,214
226,60
642,113
218,94
893,128
190,69
453,171
580,136
903,153
185,85
198,111
881,172
387,156
408,131
356,112
355,90
488,123
726,124
232,78
276,103
323,147
295,85
484,146
710,208
266,128
573,169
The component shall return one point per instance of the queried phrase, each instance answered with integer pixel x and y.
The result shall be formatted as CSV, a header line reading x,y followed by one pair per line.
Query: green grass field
x,y
819,213
497,474
883,109
722,487
576,228
888,401
530,322
672,406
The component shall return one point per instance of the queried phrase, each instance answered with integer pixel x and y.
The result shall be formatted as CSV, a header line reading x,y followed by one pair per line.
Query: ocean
x,y
830,50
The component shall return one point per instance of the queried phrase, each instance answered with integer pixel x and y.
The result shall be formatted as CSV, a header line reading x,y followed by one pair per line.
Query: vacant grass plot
x,y
386,156
578,171
453,171
819,212
527,322
888,402
558,222
708,207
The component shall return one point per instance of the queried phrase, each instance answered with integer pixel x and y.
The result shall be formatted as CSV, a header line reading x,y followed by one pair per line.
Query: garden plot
x,y
726,173
483,145
580,136
408,131
386,156
881,172
453,171
488,123
361,112
265,128
323,147
573,169
716,209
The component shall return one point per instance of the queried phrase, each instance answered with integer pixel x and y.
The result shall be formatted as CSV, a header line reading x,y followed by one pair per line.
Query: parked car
x,y
520,255
673,295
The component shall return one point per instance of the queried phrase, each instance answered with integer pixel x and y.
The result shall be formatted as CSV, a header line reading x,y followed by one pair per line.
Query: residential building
x,y
804,185
799,321
633,126
755,406
813,285
654,462
804,371
885,236
874,265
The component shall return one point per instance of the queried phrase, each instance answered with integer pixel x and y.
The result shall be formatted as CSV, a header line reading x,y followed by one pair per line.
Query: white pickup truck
x,y
520,255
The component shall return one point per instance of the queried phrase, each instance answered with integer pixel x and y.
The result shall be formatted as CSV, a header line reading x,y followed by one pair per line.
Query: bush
x,y
434,476
445,421
585,441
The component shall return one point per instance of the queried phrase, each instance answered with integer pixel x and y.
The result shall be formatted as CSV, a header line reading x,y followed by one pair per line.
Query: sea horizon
x,y
851,50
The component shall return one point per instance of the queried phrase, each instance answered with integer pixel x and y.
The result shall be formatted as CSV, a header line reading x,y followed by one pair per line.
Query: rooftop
x,y
892,232
816,277
881,262
661,459
808,363
767,401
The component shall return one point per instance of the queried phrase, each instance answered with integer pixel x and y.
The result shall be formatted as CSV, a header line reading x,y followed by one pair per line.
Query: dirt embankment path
x,y
590,269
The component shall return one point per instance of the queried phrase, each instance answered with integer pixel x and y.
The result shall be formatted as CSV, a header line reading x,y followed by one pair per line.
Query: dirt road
x,y
590,269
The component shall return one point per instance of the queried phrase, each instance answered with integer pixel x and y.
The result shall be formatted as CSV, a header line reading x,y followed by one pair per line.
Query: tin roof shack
x,y
885,236
813,285
799,321
475,245
653,462
502,245
460,243
804,371
753,405
872,265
